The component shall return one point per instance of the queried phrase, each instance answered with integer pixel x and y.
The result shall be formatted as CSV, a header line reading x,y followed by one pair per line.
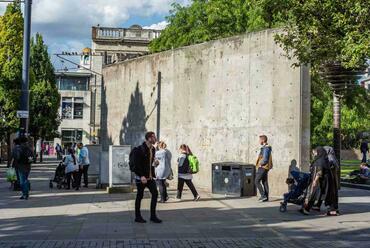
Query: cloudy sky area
x,y
66,24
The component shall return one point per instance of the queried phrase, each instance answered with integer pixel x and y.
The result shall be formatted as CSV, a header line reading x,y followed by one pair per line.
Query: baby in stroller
x,y
297,189
59,176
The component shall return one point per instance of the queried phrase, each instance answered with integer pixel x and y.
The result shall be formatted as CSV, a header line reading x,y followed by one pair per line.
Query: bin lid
x,y
232,164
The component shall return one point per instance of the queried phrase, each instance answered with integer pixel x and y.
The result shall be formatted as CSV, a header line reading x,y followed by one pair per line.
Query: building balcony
x,y
133,34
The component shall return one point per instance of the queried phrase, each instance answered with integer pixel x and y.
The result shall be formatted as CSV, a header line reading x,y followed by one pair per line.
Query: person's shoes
x,y
22,198
162,201
263,199
316,209
304,211
77,188
167,198
260,199
140,220
85,186
155,220
197,198
26,197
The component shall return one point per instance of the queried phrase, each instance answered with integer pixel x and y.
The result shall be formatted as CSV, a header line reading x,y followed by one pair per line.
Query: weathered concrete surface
x,y
217,97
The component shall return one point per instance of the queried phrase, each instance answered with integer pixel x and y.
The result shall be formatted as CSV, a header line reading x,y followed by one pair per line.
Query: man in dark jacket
x,y
22,156
263,165
145,177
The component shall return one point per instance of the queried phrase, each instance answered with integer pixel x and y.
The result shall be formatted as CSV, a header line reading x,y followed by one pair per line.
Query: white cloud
x,y
157,26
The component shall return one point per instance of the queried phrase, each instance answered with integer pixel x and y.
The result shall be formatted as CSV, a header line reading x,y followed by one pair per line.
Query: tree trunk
x,y
336,129
9,148
42,150
35,149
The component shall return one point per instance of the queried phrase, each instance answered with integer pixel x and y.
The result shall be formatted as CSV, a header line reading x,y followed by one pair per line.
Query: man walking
x,y
22,157
263,165
84,163
143,157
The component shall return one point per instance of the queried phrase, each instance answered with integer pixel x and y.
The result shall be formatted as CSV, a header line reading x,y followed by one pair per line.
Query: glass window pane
x,y
74,83
66,108
78,108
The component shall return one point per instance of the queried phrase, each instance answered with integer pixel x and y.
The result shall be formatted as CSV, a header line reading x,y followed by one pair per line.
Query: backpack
x,y
134,158
193,164
24,155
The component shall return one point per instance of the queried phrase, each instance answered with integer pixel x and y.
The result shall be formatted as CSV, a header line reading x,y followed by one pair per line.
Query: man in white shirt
x,y
84,162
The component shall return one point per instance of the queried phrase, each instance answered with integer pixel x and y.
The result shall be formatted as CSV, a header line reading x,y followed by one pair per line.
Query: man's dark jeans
x,y
24,183
152,186
262,182
85,170
363,156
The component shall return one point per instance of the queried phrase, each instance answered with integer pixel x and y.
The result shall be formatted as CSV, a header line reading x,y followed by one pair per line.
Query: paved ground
x,y
92,218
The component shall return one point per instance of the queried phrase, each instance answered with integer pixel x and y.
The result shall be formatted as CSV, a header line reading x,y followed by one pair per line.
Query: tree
x,y
11,37
44,97
206,20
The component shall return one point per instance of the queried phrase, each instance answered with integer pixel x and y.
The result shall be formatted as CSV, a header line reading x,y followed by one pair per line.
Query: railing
x,y
124,33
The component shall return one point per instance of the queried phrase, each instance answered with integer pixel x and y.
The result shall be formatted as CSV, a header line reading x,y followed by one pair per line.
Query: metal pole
x,y
159,105
26,66
336,128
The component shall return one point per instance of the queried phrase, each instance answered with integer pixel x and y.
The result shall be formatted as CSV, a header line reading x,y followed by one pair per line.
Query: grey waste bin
x,y
232,178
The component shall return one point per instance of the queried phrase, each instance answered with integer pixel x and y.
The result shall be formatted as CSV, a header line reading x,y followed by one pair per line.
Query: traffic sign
x,y
22,114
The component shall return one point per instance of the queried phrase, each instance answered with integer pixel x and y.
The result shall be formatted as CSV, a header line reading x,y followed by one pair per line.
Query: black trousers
x,y
151,185
180,187
85,170
261,182
162,189
75,176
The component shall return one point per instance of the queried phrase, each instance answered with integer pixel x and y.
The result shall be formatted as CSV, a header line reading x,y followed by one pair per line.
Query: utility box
x,y
233,178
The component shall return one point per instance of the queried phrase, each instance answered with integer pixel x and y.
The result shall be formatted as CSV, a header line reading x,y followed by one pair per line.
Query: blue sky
x,y
66,24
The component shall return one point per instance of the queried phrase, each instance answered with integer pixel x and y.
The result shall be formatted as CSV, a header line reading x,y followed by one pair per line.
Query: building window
x,y
72,108
67,107
74,83
78,108
70,137
109,59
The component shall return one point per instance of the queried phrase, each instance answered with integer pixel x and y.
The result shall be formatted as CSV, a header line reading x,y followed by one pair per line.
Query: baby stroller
x,y
298,190
59,177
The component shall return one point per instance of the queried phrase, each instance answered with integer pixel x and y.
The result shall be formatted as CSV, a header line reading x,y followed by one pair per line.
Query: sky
x,y
66,24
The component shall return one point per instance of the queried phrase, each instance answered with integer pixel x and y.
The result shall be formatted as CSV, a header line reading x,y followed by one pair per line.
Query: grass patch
x,y
347,166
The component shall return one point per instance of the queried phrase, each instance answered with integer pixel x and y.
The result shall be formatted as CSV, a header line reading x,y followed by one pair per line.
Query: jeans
x,y
363,157
85,169
75,179
162,189
261,182
151,185
24,183
180,187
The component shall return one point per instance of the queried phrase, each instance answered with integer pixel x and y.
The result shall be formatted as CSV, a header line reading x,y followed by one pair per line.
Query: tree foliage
x,y
322,31
11,37
44,97
206,20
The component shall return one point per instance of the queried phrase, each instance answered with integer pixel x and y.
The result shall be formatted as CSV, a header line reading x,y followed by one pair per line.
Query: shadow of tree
x,y
133,125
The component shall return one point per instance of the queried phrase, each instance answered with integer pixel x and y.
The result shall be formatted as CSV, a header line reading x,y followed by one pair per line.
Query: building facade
x,y
75,106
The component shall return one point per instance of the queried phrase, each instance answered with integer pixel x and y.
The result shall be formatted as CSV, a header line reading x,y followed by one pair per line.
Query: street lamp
x,y
339,79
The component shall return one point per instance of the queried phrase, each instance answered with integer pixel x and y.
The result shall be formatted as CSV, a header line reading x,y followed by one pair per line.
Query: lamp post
x,y
339,79
23,114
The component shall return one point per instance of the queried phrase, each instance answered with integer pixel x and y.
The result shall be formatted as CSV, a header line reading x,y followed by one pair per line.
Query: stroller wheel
x,y
51,184
282,207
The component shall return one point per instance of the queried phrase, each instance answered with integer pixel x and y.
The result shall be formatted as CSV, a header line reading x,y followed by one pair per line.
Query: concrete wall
x,y
217,97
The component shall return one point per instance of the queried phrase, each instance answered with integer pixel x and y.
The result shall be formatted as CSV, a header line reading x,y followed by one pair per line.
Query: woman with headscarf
x,y
332,182
317,176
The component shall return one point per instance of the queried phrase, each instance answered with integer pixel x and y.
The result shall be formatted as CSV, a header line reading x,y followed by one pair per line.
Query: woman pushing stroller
x,y
324,182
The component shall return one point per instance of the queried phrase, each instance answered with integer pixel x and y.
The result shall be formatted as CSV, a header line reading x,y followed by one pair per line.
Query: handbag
x,y
170,177
11,175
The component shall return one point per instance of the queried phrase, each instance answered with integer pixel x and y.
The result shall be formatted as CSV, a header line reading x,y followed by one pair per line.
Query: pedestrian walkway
x,y
92,218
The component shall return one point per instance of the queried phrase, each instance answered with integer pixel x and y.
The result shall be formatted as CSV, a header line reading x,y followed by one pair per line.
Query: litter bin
x,y
232,178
